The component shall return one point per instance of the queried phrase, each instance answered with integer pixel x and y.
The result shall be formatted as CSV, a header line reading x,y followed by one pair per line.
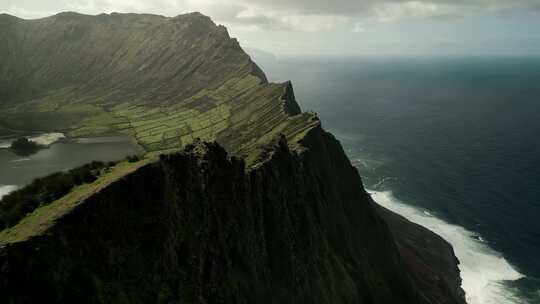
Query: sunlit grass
x,y
44,217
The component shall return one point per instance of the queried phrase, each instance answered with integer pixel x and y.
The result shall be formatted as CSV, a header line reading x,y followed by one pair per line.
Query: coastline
x,y
62,154
483,270
42,139
6,189
50,138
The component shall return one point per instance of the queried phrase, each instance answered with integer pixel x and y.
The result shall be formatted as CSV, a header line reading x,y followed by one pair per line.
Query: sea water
x,y
17,171
450,143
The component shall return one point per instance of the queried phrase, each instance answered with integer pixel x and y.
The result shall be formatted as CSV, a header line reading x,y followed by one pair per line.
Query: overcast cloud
x,y
383,22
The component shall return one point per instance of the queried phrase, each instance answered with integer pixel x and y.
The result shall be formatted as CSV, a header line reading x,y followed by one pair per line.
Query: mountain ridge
x,y
271,212
182,67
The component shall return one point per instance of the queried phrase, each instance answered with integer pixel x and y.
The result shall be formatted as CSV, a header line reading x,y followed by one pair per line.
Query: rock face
x,y
195,227
272,212
165,81
126,53
429,258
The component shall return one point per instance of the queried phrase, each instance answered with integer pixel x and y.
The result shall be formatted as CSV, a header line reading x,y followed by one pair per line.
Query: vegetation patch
x,y
25,147
44,216
133,158
43,191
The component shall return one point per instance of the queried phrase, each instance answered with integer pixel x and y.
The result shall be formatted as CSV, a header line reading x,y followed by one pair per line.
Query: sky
x,y
343,27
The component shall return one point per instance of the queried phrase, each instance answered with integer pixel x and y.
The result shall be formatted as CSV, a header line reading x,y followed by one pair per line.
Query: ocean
x,y
451,143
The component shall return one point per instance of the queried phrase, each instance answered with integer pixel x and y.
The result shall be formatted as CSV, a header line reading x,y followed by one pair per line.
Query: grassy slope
x,y
164,81
43,218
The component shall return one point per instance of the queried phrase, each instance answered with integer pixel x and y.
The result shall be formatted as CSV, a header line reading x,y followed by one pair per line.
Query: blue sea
x,y
452,144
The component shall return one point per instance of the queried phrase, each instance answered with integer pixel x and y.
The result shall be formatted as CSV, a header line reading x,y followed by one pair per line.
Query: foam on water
x,y
47,139
6,189
42,139
20,160
4,144
483,270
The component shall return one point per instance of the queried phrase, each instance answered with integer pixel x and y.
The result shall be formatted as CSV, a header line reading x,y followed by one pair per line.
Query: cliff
x,y
164,81
271,212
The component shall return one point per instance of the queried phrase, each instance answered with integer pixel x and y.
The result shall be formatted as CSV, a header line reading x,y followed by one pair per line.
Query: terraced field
x,y
188,80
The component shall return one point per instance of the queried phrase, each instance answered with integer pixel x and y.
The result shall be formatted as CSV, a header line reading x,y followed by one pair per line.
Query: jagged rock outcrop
x,y
273,212
429,258
195,227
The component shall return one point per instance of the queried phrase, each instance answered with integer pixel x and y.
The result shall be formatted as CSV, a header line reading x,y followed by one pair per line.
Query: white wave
x,y
6,189
47,139
382,181
483,270
20,160
4,144
481,239
348,137
43,139
365,163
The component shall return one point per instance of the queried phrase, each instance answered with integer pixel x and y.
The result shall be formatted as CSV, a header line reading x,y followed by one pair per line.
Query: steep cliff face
x,y
129,54
272,213
429,258
196,227
164,81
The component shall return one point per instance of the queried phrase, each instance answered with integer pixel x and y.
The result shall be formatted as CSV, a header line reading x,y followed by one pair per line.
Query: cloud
x,y
301,15
321,15
412,10
365,7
